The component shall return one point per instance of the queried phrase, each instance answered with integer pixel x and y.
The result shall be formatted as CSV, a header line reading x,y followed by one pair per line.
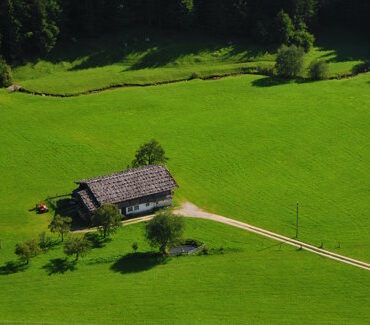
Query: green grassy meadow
x,y
247,147
243,147
148,57
253,281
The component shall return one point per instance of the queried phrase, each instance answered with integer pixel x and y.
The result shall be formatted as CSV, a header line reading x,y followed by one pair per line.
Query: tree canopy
x,y
78,246
150,153
28,249
32,27
107,218
164,229
5,73
61,225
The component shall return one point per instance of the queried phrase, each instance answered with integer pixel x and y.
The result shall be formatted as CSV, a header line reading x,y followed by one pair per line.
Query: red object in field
x,y
41,207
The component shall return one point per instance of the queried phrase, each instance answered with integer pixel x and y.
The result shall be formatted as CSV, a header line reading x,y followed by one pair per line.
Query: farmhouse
x,y
134,191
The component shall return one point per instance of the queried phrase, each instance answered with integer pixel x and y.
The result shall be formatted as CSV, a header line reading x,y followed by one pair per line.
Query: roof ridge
x,y
120,173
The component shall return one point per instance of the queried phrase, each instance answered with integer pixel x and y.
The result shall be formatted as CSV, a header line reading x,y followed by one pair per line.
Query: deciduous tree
x,y
164,229
107,218
61,225
78,246
150,153
284,28
28,249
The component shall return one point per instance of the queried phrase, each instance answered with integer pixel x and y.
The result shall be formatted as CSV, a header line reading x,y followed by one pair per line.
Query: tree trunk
x,y
77,254
62,236
163,249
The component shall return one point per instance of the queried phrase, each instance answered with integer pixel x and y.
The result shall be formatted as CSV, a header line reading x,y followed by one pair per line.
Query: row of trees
x,y
32,27
163,230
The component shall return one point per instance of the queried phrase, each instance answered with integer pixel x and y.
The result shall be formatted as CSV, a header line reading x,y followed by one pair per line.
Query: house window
x,y
136,207
120,211
147,204
129,209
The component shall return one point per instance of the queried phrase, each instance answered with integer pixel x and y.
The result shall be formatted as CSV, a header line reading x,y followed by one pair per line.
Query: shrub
x,y
318,70
44,241
6,78
205,250
264,69
135,246
289,61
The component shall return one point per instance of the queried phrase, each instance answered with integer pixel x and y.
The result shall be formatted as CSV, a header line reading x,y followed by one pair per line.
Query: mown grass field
x,y
148,57
245,147
253,281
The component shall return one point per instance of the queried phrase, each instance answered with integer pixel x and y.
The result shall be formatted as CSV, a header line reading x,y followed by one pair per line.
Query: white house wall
x,y
145,207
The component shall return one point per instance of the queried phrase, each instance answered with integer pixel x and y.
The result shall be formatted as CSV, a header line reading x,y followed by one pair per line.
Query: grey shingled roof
x,y
124,186
88,199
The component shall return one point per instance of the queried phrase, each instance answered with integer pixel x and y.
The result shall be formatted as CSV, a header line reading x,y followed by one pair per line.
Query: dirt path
x,y
190,210
124,223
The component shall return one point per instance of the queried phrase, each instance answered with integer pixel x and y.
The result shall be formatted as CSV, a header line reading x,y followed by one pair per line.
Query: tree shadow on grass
x,y
361,68
276,81
137,48
49,244
269,82
96,240
59,265
12,267
138,262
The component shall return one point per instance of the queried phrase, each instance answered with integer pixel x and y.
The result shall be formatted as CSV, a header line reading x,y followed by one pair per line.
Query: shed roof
x,y
123,186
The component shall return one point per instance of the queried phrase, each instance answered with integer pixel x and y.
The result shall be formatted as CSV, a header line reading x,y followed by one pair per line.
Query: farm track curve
x,y
191,211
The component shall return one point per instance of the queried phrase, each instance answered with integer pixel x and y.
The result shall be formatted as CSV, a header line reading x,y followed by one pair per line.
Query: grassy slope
x,y
242,147
238,146
114,60
255,281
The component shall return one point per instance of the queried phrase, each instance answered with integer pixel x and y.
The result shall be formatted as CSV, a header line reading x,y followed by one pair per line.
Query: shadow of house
x,y
138,262
59,265
12,267
66,206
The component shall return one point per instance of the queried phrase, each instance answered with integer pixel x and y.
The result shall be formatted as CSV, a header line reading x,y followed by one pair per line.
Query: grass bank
x,y
143,57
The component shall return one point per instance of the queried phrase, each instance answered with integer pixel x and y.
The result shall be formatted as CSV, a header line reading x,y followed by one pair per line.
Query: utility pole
x,y
296,227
